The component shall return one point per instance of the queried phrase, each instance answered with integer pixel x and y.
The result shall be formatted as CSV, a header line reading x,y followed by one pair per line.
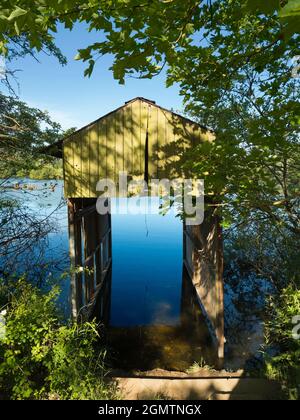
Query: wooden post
x,y
220,293
98,262
89,247
75,256
184,241
203,258
89,227
110,237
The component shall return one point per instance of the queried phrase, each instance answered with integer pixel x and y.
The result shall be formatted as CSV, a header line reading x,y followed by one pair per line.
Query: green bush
x,y
42,170
285,366
41,358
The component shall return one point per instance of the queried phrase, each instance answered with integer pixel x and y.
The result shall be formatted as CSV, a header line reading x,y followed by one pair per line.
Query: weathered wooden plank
x,y
85,211
137,149
77,172
175,146
118,142
94,159
88,227
168,150
204,261
85,163
75,257
161,142
102,150
110,146
220,291
119,136
68,167
153,141
110,237
98,263
128,140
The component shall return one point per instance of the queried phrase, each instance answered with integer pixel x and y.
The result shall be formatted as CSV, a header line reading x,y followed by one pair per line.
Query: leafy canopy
x,y
151,31
232,60
24,130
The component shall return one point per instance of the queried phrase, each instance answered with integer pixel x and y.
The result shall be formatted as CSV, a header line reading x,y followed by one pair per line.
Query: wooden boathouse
x,y
147,141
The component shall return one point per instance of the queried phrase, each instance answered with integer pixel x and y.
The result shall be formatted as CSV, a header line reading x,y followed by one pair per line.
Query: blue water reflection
x,y
147,268
153,318
146,254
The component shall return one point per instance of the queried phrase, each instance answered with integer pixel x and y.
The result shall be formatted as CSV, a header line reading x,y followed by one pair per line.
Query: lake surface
x,y
147,269
154,320
46,260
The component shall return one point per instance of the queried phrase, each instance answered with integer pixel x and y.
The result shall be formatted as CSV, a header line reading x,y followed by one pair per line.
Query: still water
x,y
153,318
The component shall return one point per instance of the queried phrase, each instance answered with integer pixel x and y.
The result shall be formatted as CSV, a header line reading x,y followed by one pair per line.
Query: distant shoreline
x,y
17,183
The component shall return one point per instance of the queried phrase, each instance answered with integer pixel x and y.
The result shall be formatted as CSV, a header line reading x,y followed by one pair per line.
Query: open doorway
x,y
154,318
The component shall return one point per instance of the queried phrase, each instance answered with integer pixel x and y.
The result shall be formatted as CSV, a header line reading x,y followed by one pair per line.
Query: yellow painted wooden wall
x,y
117,142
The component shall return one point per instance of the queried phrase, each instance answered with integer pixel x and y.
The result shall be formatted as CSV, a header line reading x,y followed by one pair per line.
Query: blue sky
x,y
75,100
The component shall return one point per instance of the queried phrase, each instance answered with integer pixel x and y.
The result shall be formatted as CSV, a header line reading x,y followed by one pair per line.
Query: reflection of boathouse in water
x,y
147,142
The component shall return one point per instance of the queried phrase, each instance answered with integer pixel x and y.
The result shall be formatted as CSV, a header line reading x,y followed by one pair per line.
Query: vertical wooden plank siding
x,y
77,169
152,141
102,150
128,140
68,162
94,159
85,162
166,158
117,143
146,115
161,142
136,139
142,129
110,146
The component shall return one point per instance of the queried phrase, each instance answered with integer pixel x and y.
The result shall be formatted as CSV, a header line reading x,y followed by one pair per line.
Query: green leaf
x,y
89,70
291,26
292,8
16,13
189,28
17,28
264,6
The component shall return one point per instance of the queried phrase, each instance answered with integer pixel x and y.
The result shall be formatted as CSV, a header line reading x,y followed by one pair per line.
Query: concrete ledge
x,y
198,389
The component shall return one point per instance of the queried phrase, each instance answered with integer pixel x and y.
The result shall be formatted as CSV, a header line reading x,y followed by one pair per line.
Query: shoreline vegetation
x,y
234,66
44,357
17,184
278,359
40,171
